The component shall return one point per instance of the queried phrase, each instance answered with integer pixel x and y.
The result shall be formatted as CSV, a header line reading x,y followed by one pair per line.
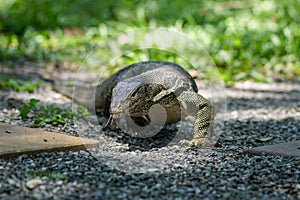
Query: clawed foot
x,y
196,142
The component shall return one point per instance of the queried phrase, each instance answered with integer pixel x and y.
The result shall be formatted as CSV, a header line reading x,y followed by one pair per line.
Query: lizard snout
x,y
117,110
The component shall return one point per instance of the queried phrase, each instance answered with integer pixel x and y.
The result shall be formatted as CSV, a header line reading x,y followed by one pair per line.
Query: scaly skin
x,y
134,90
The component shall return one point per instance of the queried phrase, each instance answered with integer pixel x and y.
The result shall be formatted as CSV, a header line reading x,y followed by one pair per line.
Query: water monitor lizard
x,y
135,89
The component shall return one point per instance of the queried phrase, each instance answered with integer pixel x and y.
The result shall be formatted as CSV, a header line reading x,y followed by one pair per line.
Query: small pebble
x,y
33,183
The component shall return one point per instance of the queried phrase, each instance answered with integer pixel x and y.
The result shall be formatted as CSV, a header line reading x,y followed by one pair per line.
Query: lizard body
x,y
134,90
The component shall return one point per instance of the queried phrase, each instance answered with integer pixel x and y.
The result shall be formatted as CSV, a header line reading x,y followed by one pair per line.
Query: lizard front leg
x,y
196,105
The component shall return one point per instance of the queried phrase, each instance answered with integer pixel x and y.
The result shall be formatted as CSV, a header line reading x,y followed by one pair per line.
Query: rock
x,y
33,183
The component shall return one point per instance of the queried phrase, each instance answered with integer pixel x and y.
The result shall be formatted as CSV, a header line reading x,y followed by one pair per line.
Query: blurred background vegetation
x,y
251,39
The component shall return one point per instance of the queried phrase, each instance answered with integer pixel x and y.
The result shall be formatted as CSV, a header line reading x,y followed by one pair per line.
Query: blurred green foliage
x,y
252,39
14,82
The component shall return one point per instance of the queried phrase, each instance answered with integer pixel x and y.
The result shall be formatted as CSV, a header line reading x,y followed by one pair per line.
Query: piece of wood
x,y
288,149
17,140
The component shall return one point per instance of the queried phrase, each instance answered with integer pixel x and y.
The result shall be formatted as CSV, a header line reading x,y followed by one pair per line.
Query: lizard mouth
x,y
108,123
116,115
111,118
140,120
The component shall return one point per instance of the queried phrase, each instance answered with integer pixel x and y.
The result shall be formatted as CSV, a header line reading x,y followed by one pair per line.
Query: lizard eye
x,y
134,93
139,90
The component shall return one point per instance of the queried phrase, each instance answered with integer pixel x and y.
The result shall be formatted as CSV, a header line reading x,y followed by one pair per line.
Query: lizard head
x,y
134,98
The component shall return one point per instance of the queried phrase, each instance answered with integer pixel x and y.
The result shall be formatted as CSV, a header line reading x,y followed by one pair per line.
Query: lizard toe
x,y
196,142
185,143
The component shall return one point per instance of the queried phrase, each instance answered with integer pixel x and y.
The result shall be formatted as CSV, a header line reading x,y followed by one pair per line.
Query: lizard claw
x,y
196,142
185,143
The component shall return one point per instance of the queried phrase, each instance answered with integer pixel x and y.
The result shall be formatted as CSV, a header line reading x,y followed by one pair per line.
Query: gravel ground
x,y
257,114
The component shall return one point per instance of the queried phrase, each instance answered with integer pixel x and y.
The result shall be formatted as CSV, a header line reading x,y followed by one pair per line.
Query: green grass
x,y
256,40
53,115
